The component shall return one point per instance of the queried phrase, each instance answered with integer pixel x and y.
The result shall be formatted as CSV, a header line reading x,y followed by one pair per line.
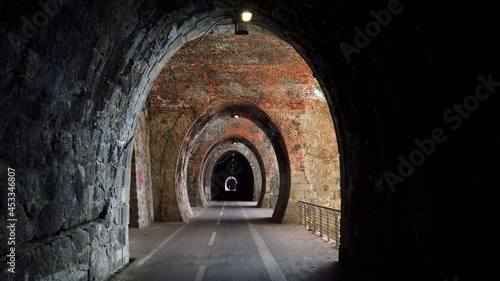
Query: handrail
x,y
324,221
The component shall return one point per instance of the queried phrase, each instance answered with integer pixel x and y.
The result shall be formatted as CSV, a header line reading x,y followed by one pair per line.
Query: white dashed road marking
x,y
200,273
212,239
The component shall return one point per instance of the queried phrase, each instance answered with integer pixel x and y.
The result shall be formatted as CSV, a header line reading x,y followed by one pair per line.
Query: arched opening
x,y
109,103
265,123
232,178
245,147
76,104
286,124
290,85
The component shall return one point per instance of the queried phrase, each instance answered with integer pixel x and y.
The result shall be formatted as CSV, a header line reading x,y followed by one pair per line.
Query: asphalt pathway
x,y
229,241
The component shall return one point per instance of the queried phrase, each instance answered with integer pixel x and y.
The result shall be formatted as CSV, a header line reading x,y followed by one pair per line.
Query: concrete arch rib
x,y
264,122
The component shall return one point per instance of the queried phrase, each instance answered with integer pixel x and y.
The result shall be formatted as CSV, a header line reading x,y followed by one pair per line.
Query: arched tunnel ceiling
x,y
265,123
265,161
225,67
220,73
66,95
225,130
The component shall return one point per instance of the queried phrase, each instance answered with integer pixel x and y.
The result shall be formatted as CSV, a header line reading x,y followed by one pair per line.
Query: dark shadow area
x,y
232,178
338,271
334,271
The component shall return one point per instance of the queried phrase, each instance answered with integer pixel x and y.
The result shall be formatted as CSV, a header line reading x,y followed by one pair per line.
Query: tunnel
x,y
232,178
412,88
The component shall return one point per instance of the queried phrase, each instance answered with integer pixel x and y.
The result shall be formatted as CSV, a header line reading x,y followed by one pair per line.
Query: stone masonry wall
x,y
141,205
167,131
321,157
318,181
259,69
73,85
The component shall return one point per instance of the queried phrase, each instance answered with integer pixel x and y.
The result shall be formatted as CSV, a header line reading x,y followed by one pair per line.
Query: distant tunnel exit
x,y
232,178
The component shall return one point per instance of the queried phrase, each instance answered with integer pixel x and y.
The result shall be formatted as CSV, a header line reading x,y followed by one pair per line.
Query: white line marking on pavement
x,y
212,239
272,267
200,273
218,222
200,212
221,213
146,258
223,208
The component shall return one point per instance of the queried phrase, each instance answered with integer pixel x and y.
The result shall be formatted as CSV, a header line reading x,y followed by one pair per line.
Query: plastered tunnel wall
x,y
75,78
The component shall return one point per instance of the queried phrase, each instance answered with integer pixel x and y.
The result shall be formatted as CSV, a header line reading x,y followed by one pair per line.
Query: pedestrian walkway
x,y
228,241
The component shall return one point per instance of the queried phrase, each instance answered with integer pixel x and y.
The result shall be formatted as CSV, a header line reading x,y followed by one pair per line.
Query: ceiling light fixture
x,y
241,28
246,16
241,22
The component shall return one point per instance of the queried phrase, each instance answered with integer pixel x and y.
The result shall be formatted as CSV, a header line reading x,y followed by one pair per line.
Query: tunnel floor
x,y
229,241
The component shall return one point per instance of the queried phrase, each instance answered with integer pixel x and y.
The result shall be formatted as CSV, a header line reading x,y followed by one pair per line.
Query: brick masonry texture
x,y
72,92
259,69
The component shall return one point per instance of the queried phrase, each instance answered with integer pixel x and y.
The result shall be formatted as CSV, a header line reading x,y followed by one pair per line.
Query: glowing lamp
x,y
246,16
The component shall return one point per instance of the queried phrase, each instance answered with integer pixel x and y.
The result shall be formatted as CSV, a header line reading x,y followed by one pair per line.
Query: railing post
x,y
303,214
320,223
328,228
337,231
301,220
314,217
307,215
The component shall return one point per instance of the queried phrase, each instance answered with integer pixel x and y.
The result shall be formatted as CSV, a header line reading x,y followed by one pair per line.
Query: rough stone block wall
x,y
65,132
72,88
167,131
318,180
321,173
72,105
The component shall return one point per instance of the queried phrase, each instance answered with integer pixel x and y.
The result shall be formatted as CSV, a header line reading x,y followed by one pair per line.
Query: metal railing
x,y
323,221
